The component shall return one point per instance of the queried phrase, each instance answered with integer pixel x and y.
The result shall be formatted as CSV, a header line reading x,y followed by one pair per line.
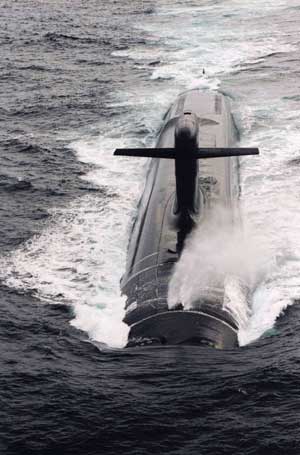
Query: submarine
x,y
194,169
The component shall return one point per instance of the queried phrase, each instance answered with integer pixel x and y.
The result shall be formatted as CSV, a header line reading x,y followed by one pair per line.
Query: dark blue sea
x,y
77,80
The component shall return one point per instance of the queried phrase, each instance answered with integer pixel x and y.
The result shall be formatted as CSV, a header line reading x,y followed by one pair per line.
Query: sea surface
x,y
77,80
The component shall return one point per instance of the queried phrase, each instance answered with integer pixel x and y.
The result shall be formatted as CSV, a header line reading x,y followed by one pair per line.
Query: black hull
x,y
163,223
183,327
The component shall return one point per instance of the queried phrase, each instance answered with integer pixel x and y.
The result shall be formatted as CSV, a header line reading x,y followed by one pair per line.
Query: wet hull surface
x,y
160,230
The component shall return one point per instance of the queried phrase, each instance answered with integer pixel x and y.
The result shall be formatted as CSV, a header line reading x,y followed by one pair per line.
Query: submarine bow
x,y
184,184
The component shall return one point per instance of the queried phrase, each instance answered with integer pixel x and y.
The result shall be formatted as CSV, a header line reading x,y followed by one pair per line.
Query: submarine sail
x,y
184,184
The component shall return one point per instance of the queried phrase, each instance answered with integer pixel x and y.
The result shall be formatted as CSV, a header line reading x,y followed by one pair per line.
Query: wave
x,y
61,39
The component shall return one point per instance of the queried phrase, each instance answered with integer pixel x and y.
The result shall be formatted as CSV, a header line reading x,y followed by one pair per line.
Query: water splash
x,y
211,254
225,259
253,275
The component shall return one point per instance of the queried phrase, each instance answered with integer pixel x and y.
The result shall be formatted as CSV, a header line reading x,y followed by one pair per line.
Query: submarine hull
x,y
160,229
183,327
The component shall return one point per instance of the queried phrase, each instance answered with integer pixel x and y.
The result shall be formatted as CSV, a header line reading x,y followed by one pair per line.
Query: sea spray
x,y
222,262
237,299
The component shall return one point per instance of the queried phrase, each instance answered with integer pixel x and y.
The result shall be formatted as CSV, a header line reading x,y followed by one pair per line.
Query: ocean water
x,y
77,80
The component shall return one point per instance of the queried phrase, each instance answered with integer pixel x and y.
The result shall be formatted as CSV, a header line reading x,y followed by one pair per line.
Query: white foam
x,y
194,39
79,258
232,260
270,200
